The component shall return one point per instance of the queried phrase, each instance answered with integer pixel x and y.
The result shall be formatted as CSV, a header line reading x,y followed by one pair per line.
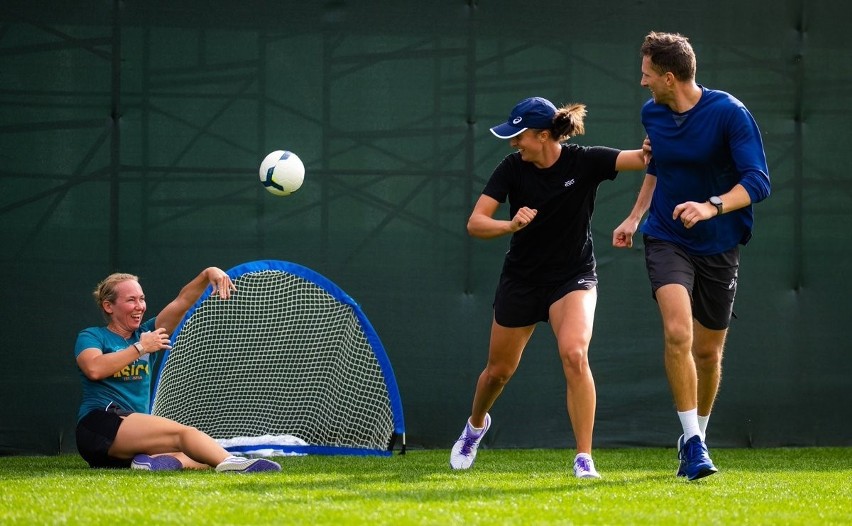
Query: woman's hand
x,y
523,217
221,282
157,340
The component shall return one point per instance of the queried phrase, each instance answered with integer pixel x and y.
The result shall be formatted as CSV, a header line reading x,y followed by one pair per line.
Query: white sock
x,y
689,422
579,455
702,423
476,430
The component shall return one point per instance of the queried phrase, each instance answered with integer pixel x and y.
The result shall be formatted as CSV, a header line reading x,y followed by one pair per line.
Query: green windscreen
x,y
130,139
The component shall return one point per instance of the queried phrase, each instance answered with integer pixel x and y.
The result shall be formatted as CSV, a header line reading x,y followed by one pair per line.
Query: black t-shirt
x,y
557,244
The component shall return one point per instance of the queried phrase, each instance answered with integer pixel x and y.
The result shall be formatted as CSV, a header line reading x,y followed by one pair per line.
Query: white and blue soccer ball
x,y
282,172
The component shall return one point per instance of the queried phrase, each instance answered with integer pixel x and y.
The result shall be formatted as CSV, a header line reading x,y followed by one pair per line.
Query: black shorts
x,y
95,434
520,304
710,280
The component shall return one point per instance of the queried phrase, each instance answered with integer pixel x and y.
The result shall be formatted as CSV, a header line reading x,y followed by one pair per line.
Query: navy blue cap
x,y
535,112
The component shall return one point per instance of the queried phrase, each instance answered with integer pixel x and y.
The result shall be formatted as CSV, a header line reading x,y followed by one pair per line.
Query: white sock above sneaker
x,y
689,421
702,423
474,430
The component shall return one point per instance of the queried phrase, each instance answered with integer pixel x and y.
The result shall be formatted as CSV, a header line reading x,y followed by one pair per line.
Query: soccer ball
x,y
282,172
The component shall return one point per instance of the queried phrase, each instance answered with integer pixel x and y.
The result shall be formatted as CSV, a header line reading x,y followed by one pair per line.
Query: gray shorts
x,y
710,280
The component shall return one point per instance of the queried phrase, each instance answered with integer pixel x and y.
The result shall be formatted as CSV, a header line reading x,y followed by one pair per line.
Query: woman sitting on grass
x,y
114,427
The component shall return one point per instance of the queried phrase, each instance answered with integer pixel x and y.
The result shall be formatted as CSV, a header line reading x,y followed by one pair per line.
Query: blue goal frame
x,y
372,338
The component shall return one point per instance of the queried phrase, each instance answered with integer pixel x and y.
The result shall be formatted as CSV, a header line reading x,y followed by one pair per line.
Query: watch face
x,y
717,202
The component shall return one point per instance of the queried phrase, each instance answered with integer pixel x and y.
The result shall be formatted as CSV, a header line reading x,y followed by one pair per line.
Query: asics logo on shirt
x,y
733,284
569,183
132,372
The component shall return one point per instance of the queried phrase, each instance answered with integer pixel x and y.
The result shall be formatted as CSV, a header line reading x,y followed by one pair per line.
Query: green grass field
x,y
769,486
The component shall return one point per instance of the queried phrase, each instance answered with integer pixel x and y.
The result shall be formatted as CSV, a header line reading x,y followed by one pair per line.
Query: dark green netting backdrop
x,y
131,133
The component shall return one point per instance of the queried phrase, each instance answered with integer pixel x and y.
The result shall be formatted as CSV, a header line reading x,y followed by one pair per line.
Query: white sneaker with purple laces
x,y
464,450
584,467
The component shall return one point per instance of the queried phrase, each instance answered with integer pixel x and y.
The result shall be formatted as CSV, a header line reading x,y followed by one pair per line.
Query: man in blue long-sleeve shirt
x,y
707,169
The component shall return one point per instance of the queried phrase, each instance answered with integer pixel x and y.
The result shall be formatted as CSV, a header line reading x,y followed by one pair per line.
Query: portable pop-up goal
x,y
288,364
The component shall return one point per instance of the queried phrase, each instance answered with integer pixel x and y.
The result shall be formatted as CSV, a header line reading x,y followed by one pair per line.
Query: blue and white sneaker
x,y
464,450
156,463
247,465
681,468
696,459
584,467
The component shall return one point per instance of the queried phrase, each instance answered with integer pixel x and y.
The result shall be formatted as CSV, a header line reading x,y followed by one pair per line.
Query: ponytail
x,y
568,121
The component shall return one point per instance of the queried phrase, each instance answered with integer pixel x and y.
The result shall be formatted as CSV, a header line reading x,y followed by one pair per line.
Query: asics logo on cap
x,y
516,120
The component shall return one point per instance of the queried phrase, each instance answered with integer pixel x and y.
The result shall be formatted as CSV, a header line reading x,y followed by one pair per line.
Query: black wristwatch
x,y
717,202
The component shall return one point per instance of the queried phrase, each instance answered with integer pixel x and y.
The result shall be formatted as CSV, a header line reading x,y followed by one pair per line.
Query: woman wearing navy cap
x,y
549,271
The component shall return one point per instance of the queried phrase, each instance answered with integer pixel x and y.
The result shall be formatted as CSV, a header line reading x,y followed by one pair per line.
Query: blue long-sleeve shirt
x,y
700,153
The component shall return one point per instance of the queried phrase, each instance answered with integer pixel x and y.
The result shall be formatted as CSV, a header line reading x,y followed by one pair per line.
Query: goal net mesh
x,y
287,354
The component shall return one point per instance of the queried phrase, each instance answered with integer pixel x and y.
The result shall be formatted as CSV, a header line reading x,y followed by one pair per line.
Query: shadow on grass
x,y
426,476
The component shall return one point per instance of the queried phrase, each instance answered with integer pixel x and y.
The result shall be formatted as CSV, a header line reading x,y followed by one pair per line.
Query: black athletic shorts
x,y
520,304
95,434
710,280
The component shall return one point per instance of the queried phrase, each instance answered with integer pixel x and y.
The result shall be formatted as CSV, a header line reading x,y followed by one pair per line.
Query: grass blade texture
x,y
768,486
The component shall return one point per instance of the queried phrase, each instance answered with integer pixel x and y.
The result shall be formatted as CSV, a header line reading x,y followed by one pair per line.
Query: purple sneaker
x,y
158,463
247,465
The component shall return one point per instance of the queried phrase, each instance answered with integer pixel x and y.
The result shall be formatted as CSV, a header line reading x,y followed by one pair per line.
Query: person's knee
x,y
678,337
189,430
575,358
498,375
707,357
185,434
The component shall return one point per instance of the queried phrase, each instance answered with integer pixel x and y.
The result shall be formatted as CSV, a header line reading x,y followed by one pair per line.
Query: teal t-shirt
x,y
130,387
